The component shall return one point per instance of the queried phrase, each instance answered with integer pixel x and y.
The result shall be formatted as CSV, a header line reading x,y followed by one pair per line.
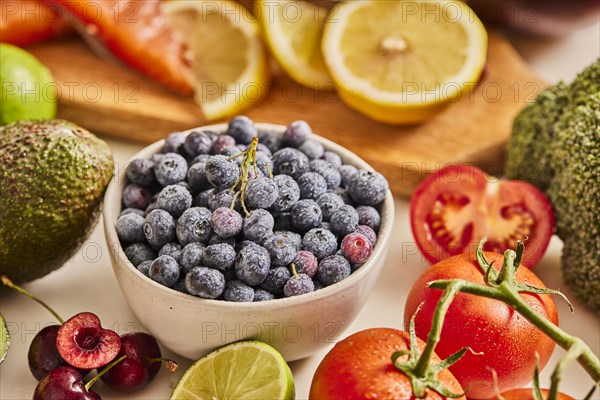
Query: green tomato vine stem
x,y
503,287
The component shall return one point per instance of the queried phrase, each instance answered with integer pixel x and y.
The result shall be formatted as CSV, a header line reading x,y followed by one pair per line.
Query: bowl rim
x,y
112,208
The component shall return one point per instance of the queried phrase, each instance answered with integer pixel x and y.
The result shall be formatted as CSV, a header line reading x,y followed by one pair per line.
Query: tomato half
x,y
360,367
455,207
508,341
526,394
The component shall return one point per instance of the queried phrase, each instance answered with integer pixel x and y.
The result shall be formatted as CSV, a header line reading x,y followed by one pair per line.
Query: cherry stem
x,y
294,272
7,282
169,364
507,290
248,162
104,370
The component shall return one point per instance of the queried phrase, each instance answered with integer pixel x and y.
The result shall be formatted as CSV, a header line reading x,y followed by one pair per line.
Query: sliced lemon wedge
x,y
401,62
293,31
228,58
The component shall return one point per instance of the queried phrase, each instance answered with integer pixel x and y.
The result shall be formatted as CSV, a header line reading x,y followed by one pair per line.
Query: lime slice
x,y
293,30
404,61
228,58
27,88
241,370
4,339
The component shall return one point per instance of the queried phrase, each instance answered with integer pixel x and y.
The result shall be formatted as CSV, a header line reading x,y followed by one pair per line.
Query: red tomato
x,y
525,394
360,367
508,341
137,32
454,208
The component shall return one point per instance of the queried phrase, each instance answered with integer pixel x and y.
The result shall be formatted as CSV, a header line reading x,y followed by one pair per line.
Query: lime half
x,y
241,370
4,339
27,88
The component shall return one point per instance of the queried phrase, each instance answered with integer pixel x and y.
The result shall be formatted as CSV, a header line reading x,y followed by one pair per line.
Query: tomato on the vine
x,y
508,342
453,208
360,367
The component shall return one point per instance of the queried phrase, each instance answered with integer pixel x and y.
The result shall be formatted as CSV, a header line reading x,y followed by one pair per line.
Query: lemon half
x,y
401,62
228,58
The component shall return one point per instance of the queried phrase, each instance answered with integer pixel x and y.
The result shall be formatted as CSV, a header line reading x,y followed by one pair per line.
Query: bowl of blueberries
x,y
247,231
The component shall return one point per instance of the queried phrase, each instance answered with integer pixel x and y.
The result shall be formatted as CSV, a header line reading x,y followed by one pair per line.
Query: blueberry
x,y
180,285
276,279
164,270
321,242
194,226
367,187
221,142
141,171
293,237
344,220
346,172
130,210
261,148
201,158
311,185
201,199
306,214
191,256
171,249
290,161
288,193
262,295
238,291
196,177
296,133
356,248
159,228
240,245
333,269
144,267
332,157
264,163
327,170
283,221
306,263
368,233
312,149
252,264
136,196
197,143
170,169
137,253
130,228
329,203
258,225
231,152
369,216
297,285
174,199
242,129
220,256
271,140
221,172
174,143
216,239
222,198
326,225
281,250
261,193
152,205
205,282
226,222
343,193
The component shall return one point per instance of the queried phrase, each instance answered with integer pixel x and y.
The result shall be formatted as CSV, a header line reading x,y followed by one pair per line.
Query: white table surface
x,y
86,283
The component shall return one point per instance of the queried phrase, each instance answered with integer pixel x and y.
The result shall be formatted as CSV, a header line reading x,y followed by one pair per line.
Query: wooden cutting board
x,y
110,99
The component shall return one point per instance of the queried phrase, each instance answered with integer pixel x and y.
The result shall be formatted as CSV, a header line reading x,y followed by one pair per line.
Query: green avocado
x,y
53,175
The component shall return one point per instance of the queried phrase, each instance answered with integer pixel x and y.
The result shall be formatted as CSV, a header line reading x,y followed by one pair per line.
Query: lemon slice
x,y
228,58
242,370
401,62
293,31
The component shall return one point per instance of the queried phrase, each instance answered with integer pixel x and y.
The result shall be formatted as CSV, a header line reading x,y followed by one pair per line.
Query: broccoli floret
x,y
533,131
557,148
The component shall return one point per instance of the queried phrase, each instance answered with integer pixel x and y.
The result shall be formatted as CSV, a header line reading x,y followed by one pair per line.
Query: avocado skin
x,y
53,175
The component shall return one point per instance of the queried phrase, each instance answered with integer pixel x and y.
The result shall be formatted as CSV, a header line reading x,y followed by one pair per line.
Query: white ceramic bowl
x,y
296,326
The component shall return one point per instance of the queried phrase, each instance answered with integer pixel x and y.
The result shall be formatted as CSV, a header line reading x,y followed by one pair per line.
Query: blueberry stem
x,y
7,282
104,370
249,161
294,272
